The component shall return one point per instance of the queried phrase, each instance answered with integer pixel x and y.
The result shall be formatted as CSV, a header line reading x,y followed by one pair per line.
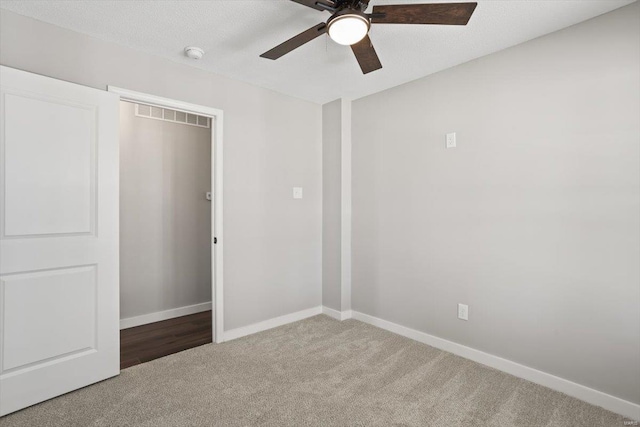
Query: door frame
x,y
217,249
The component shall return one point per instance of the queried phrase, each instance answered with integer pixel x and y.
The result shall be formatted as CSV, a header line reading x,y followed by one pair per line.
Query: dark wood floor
x,y
154,340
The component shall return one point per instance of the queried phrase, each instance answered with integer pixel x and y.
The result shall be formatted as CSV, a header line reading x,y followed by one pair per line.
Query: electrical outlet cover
x,y
463,312
451,140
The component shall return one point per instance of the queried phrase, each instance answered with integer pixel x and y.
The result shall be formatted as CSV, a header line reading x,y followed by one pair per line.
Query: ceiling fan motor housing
x,y
351,4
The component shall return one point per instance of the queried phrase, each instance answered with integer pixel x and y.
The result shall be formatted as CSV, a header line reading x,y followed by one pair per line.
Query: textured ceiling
x,y
234,33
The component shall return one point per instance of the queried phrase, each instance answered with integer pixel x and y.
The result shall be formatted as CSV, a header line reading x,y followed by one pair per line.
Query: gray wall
x,y
533,220
331,204
165,218
273,243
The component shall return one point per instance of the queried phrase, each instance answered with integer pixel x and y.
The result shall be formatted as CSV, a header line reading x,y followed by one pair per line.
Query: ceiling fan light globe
x,y
348,29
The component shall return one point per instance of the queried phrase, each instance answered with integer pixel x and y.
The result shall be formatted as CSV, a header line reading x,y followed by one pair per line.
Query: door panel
x,y
62,175
59,273
66,295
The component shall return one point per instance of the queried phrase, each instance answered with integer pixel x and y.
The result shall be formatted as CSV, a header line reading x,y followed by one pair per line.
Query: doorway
x,y
170,226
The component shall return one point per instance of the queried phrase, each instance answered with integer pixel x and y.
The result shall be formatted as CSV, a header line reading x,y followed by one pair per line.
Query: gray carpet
x,y
316,372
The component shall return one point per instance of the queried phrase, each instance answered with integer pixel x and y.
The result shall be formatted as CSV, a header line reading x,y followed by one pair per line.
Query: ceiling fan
x,y
349,24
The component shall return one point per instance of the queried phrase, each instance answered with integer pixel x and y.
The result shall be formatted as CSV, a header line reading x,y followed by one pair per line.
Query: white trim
x,y
271,323
589,395
338,315
131,322
332,313
217,116
217,229
345,216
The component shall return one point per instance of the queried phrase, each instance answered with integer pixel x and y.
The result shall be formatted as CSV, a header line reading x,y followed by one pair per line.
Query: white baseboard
x,y
589,395
338,315
130,322
271,323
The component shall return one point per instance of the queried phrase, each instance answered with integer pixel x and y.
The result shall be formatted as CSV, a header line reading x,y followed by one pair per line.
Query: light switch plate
x,y
451,140
463,312
297,192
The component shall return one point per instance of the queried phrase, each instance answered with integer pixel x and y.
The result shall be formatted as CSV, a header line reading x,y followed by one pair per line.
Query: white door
x,y
59,304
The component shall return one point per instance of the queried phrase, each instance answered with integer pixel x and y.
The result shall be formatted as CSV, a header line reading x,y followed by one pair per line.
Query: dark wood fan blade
x,y
434,13
366,55
296,41
317,4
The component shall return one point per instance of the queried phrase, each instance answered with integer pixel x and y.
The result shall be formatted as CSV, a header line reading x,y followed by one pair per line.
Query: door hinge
x,y
215,240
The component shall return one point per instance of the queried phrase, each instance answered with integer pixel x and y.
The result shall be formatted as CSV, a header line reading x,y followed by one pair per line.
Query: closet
x,y
165,231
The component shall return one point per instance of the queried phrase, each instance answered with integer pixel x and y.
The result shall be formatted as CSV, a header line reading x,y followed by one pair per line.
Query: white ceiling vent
x,y
174,116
